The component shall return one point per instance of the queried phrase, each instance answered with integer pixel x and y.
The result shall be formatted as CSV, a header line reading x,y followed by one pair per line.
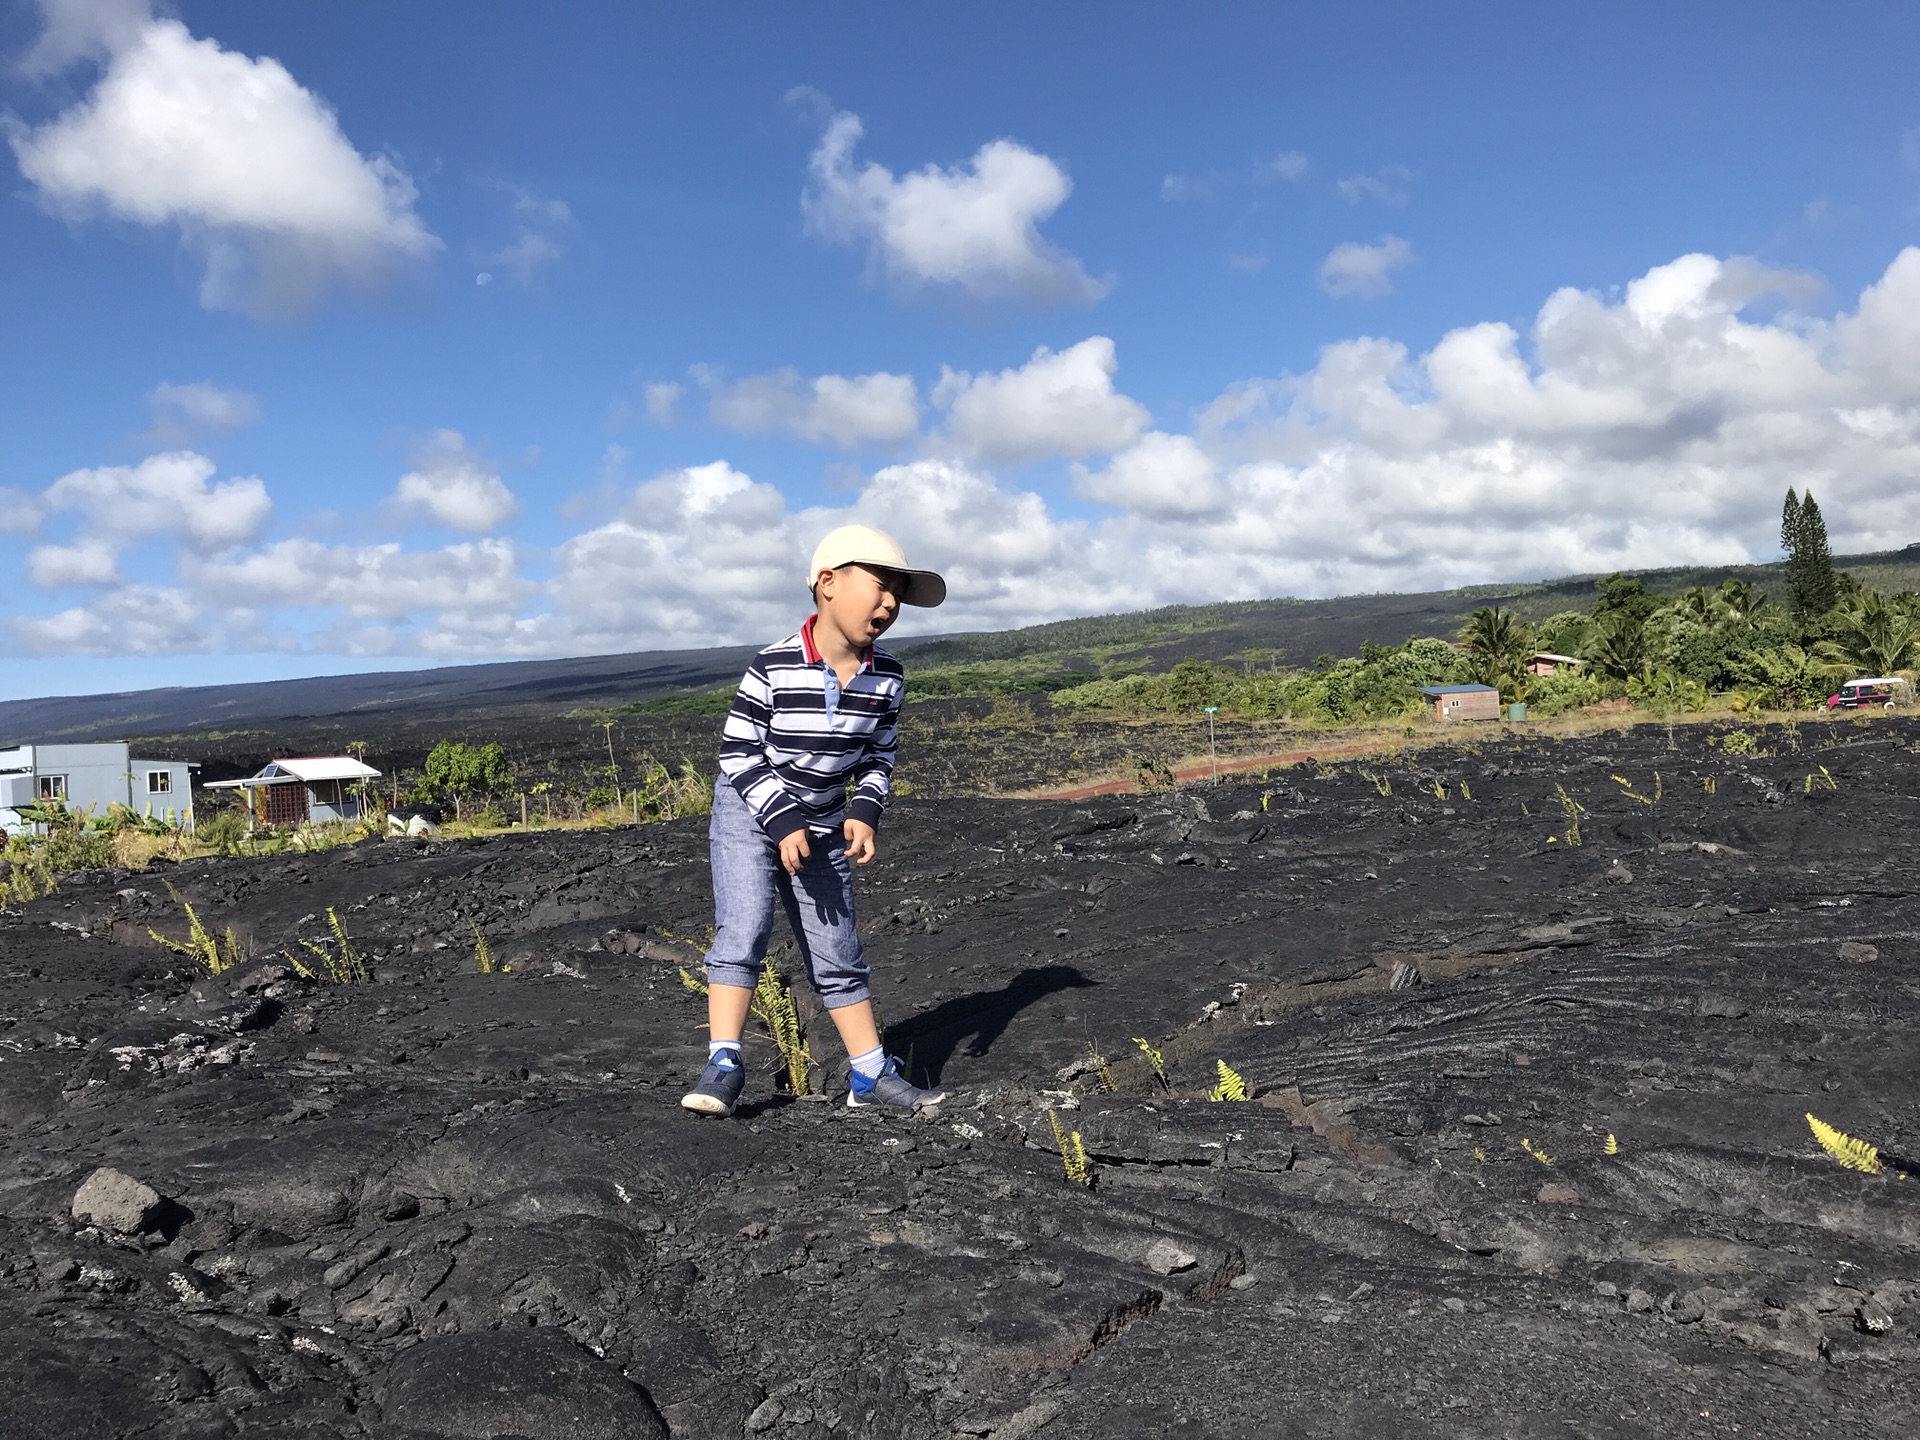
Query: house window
x,y
159,782
53,787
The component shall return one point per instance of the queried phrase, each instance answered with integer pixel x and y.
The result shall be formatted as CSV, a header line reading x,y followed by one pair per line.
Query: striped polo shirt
x,y
803,751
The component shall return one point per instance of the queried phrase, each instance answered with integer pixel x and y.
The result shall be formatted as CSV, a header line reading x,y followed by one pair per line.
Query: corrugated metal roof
x,y
1454,689
327,767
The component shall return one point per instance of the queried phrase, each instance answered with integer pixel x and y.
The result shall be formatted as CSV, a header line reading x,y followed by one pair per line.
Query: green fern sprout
x,y
1073,1151
340,965
1706,784
1439,789
1574,810
1852,1153
1540,1155
1231,1085
773,1003
216,957
483,960
1612,1147
1154,1059
1102,1070
1381,785
690,981
1465,793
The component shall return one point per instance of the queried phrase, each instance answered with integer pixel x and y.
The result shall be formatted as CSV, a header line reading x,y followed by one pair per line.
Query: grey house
x,y
92,777
303,792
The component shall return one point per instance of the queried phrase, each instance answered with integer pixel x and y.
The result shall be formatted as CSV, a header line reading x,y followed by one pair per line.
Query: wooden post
x,y
523,812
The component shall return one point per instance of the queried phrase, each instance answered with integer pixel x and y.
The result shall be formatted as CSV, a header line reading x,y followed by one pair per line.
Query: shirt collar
x,y
814,657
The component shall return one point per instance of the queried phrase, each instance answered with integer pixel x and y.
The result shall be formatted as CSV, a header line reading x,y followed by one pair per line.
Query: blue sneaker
x,y
890,1088
720,1085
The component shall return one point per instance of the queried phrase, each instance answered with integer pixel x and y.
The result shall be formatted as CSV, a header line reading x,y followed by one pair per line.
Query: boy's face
x,y
858,601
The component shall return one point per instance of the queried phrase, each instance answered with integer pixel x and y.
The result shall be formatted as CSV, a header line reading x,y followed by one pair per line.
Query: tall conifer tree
x,y
1811,584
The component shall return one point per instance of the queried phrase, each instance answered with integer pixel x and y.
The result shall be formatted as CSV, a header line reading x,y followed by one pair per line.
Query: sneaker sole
x,y
855,1103
705,1105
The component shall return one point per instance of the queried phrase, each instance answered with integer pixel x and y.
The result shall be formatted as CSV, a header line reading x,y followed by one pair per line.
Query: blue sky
x,y
1095,307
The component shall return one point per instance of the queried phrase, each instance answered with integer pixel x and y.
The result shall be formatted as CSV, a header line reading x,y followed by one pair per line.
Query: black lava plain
x,y
447,1203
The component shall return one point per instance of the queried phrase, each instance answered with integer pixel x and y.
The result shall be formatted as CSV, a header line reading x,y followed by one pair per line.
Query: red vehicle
x,y
1882,692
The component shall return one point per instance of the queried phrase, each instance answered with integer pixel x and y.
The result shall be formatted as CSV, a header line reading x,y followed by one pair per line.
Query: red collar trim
x,y
812,651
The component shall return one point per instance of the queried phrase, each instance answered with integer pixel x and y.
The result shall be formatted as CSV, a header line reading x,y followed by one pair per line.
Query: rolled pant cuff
x,y
840,999
723,973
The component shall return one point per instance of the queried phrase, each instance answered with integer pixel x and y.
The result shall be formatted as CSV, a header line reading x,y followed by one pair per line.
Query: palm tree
x,y
1620,647
1874,637
1498,646
1746,605
1701,605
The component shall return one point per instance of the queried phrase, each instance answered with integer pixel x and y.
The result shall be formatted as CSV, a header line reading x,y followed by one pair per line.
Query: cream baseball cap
x,y
864,545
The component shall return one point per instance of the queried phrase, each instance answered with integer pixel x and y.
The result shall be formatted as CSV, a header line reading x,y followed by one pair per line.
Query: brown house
x,y
1463,702
1545,662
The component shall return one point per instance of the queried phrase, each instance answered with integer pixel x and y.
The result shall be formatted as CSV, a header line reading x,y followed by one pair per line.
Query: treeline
x,y
1664,652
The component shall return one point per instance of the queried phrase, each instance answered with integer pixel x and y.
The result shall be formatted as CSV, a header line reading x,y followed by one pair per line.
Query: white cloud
x,y
89,562
165,494
250,167
974,229
842,410
135,620
1057,404
1364,272
380,582
181,412
452,484
1387,185
1162,476
663,402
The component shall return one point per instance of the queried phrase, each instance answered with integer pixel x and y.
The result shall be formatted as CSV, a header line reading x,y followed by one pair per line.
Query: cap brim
x,y
924,588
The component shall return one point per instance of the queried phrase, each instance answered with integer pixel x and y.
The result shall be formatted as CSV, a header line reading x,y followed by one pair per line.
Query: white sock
x,y
871,1063
714,1047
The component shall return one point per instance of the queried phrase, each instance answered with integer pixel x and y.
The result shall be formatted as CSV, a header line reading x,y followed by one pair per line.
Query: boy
x,y
804,764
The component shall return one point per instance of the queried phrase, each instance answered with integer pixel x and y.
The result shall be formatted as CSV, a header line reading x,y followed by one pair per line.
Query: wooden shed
x,y
1463,702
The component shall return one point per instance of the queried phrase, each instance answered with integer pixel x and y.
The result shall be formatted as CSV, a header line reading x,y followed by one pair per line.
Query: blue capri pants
x,y
819,903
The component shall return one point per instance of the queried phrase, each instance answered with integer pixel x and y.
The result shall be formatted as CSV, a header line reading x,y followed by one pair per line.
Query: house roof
x,y
306,771
1457,689
1558,659
326,767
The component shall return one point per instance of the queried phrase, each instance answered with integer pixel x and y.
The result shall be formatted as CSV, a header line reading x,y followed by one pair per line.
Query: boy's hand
x,y
794,851
859,840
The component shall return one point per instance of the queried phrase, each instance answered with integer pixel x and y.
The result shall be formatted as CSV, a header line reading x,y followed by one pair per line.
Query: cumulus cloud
x,y
134,620
973,229
847,411
382,582
1162,476
251,168
166,494
89,562
452,484
1059,404
1364,272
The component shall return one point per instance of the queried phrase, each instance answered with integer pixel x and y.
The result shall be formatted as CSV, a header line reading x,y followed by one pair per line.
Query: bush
x,y
225,832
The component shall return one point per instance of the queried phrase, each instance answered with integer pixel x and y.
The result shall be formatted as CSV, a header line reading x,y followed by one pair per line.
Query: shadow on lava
x,y
932,1035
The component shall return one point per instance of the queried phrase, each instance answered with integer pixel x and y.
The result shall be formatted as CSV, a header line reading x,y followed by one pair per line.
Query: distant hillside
x,y
1263,632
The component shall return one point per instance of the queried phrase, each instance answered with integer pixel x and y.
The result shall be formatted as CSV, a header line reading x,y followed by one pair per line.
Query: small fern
x,y
1540,1155
690,981
1102,1071
1231,1085
1073,1151
216,957
1574,810
1852,1153
1154,1059
340,965
1612,1147
483,960
773,1003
